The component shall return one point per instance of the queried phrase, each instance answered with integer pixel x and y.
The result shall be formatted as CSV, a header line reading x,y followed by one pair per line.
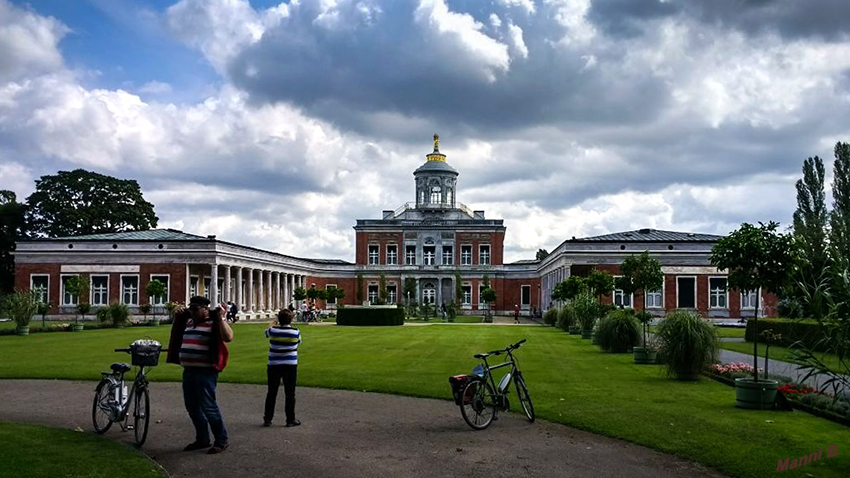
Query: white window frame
x,y
696,296
167,289
724,292
328,287
409,257
392,293
197,279
377,295
451,255
466,260
489,256
429,258
432,296
46,290
622,294
138,287
752,302
661,295
91,290
374,258
392,260
62,302
467,298
207,288
523,305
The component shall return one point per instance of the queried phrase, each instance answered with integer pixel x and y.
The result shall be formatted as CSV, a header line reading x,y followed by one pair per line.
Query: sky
x,y
278,125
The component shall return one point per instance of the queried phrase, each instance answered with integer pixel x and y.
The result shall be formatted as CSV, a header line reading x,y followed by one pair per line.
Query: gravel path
x,y
349,434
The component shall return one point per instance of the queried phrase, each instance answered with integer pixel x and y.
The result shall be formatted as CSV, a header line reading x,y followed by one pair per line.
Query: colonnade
x,y
253,290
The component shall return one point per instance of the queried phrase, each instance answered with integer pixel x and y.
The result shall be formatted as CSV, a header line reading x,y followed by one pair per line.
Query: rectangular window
x,y
484,255
410,255
621,299
207,285
99,290
448,256
748,300
467,295
654,300
392,254
391,294
525,295
130,290
67,298
428,255
374,254
160,299
193,286
686,292
331,301
373,293
465,255
717,292
40,284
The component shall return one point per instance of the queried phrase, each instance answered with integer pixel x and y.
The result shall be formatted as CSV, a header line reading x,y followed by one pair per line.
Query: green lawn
x,y
570,381
776,352
26,449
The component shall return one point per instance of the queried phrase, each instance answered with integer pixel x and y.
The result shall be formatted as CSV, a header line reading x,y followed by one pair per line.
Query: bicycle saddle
x,y
120,367
481,356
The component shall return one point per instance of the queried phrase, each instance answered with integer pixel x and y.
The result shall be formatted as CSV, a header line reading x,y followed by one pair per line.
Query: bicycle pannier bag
x,y
458,382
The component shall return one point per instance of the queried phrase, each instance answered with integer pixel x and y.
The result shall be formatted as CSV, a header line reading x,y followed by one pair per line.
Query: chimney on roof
x,y
211,236
645,231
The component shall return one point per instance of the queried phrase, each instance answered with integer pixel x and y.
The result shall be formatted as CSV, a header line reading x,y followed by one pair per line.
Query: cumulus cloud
x,y
28,42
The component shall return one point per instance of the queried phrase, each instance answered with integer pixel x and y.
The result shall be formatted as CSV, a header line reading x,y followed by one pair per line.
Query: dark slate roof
x,y
440,166
522,262
149,235
649,235
331,261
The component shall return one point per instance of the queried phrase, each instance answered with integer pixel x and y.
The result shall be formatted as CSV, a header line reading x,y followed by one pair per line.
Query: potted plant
x,y
618,332
641,273
43,309
20,306
170,307
646,353
145,309
688,344
757,259
586,310
155,290
83,308
78,286
119,313
104,314
488,295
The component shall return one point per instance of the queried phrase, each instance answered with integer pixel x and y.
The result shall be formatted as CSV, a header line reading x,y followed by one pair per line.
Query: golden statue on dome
x,y
436,143
436,155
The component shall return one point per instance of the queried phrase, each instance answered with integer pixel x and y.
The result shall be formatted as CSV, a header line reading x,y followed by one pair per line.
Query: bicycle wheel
x,y
479,404
524,397
141,415
102,408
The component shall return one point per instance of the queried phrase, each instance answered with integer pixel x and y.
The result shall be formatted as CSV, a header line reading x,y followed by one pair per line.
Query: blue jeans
x,y
199,396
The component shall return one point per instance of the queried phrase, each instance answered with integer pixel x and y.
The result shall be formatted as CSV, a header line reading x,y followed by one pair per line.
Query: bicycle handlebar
x,y
507,349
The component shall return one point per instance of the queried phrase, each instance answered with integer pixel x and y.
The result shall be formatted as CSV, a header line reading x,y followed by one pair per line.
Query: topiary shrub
x,y
360,316
618,331
566,317
688,344
551,316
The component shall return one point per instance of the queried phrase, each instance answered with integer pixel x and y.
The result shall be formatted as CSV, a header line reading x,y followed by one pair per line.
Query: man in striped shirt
x,y
283,366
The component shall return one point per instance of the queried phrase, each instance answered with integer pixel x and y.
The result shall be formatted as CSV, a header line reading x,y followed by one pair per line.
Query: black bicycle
x,y
480,398
112,402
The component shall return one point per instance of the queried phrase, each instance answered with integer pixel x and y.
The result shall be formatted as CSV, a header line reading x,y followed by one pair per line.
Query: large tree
x,y
840,218
810,220
542,254
11,229
81,202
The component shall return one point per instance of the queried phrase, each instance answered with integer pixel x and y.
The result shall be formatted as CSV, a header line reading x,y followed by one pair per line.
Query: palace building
x,y
444,248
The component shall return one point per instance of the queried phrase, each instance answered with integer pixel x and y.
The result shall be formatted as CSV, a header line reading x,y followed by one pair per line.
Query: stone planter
x,y
76,327
644,356
574,330
22,330
587,334
755,395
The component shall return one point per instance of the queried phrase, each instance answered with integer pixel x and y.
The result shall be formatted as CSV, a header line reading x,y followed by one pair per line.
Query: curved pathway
x,y
349,434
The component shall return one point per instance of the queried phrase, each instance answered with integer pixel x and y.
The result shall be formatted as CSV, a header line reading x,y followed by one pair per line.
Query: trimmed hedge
x,y
370,316
807,331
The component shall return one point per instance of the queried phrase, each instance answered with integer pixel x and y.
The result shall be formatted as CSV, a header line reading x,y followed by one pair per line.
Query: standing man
x,y
516,313
198,344
283,366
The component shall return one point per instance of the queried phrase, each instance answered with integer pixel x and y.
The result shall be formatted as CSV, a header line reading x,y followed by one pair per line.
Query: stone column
x,y
239,289
270,290
227,279
291,287
249,299
439,300
214,284
277,292
261,305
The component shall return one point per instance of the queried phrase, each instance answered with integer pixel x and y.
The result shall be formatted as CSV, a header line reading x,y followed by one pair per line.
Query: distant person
x,y
198,338
516,313
443,310
283,366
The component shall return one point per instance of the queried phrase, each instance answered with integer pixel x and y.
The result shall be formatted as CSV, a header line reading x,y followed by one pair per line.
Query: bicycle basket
x,y
145,352
458,382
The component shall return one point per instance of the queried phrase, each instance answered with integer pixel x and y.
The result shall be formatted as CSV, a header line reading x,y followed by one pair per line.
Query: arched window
x,y
436,198
429,293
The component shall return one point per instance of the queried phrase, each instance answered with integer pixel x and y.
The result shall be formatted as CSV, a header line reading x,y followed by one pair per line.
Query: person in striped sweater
x,y
283,366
